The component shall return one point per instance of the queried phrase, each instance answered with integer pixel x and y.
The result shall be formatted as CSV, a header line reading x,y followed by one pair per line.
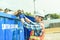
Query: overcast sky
x,y
49,6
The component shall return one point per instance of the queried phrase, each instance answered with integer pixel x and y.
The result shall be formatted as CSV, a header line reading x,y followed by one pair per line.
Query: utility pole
x,y
34,5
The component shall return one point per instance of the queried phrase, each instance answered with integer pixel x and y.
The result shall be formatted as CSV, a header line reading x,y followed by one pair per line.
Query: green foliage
x,y
53,16
28,14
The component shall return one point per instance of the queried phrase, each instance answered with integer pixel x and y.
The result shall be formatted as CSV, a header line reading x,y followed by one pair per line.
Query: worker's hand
x,y
22,20
22,16
43,31
27,20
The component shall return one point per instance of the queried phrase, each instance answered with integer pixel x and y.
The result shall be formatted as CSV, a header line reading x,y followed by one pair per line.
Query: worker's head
x,y
39,17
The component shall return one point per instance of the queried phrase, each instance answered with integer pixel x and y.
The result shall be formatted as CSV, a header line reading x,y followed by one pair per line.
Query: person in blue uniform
x,y
37,27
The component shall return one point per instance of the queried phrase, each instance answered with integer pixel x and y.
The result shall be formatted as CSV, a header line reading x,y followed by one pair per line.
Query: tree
x,y
28,14
54,16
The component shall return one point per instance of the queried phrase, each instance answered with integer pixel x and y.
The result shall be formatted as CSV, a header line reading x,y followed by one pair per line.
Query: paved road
x,y
52,36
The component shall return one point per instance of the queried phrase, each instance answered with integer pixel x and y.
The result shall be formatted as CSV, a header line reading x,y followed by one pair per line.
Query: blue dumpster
x,y
8,32
10,27
27,31
1,31
21,29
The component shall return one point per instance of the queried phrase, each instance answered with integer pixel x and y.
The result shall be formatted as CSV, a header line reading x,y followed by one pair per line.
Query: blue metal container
x,y
27,31
1,31
21,30
10,28
9,31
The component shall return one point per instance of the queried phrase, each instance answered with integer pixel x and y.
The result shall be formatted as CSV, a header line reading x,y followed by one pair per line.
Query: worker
x,y
37,27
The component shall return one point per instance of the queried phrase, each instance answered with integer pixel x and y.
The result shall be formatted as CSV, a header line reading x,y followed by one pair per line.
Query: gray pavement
x,y
52,36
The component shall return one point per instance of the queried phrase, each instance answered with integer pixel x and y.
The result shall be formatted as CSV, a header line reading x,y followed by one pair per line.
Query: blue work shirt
x,y
34,26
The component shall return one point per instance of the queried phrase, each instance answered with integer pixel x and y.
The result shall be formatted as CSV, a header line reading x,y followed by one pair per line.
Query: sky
x,y
47,6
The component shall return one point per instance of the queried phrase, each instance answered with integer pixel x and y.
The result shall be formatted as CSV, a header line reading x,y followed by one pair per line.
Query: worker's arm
x,y
29,21
32,27
25,21
29,26
22,16
43,30
42,25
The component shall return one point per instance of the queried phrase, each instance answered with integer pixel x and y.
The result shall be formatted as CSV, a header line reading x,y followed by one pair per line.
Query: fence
x,y
52,23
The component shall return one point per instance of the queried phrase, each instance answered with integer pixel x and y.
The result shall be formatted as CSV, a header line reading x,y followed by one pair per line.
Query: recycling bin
x,y
1,31
10,27
21,30
26,30
8,32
